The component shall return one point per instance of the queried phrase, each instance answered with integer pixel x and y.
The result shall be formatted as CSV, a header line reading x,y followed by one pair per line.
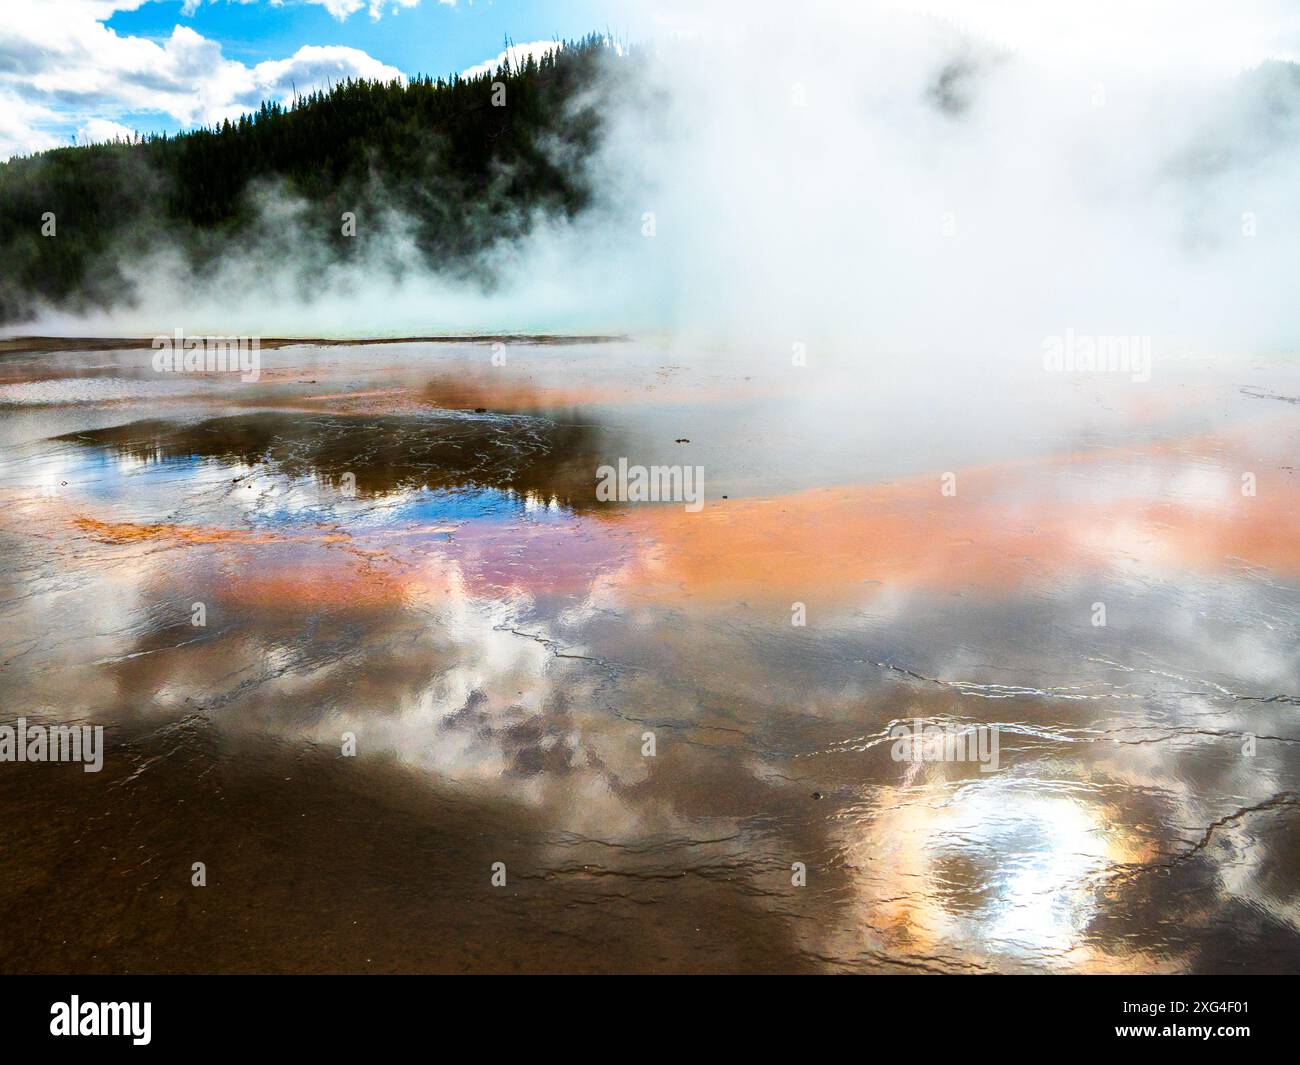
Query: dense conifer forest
x,y
461,172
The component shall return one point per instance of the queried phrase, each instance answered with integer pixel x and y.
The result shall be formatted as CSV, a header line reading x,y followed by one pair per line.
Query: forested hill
x,y
463,172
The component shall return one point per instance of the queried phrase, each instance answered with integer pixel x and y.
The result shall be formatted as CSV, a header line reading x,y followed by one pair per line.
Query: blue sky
x,y
73,71
430,38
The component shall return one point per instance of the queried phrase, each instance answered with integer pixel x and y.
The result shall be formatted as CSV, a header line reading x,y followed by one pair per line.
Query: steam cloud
x,y
883,182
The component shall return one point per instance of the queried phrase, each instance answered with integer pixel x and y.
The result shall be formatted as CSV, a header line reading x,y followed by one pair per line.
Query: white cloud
x,y
18,134
101,130
517,53
315,66
60,65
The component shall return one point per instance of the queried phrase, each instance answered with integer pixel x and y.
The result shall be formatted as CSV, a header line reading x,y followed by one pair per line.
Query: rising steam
x,y
882,182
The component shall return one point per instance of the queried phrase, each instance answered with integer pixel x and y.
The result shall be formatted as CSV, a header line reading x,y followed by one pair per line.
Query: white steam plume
x,y
914,180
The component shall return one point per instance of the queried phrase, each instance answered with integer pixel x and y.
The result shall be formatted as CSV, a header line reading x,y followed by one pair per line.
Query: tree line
x,y
466,162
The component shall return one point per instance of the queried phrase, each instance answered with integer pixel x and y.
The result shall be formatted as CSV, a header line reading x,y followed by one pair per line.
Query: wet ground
x,y
402,543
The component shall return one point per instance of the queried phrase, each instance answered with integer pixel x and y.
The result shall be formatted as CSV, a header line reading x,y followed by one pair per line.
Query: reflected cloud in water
x,y
500,645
